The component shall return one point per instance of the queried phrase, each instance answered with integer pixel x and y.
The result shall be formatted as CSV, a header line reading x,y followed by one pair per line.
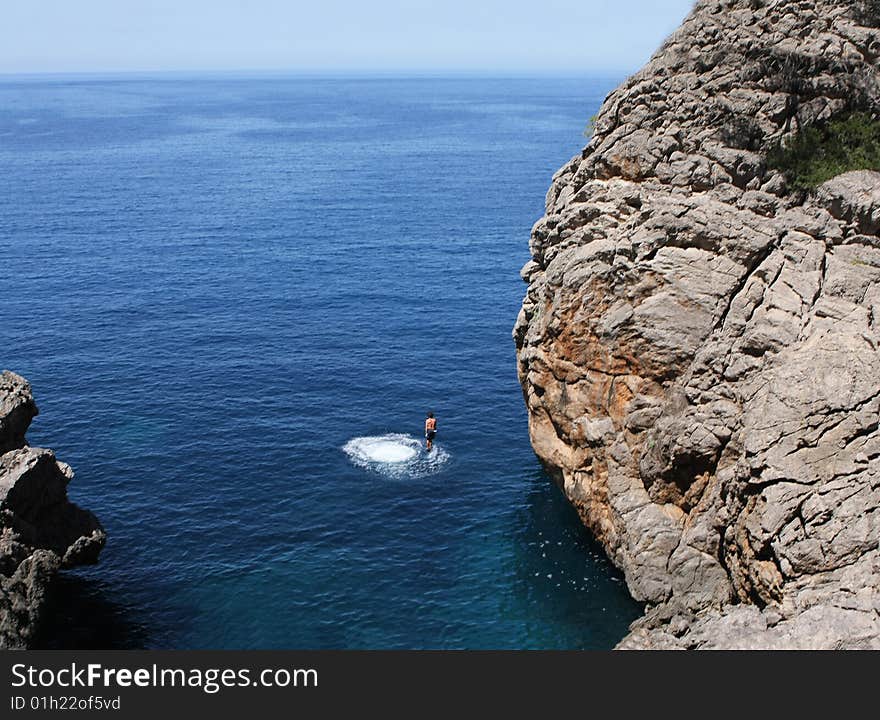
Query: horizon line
x,y
513,73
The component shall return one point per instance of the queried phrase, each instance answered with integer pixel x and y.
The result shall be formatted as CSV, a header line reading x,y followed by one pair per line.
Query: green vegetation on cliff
x,y
820,152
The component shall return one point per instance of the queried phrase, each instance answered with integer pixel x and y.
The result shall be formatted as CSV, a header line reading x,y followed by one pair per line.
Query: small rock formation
x,y
698,346
41,531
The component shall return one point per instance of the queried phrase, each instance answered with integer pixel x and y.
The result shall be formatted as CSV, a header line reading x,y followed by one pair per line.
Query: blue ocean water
x,y
214,284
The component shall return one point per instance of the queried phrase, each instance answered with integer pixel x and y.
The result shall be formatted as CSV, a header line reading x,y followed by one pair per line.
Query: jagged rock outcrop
x,y
698,346
41,531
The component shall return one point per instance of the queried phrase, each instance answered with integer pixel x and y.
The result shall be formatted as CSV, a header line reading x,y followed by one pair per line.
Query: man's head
x,y
430,414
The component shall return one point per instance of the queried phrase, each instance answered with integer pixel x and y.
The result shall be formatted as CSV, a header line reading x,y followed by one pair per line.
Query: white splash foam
x,y
395,455
387,451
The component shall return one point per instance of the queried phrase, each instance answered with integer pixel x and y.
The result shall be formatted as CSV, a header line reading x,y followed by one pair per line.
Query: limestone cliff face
x,y
41,531
698,347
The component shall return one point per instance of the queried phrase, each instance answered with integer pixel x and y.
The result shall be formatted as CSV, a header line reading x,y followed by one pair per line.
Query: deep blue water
x,y
213,284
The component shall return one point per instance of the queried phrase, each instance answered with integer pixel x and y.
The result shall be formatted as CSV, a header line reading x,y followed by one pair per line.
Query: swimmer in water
x,y
430,430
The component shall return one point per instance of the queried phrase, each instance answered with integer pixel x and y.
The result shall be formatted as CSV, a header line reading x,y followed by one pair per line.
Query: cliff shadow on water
x,y
558,562
562,586
80,614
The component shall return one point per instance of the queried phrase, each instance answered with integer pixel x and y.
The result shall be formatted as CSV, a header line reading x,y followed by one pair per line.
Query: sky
x,y
400,36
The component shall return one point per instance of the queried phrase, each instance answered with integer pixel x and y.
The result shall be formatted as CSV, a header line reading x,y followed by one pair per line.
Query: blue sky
x,y
398,36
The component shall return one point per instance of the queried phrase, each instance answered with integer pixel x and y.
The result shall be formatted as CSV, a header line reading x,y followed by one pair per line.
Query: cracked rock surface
x,y
698,346
41,531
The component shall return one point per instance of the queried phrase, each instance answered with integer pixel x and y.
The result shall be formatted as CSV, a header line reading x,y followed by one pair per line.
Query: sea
x,y
236,297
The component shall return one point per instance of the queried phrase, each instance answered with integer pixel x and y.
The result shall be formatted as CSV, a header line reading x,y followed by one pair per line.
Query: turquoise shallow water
x,y
215,284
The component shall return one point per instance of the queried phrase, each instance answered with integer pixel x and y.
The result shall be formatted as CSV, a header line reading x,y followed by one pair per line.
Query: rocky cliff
x,y
698,345
41,531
